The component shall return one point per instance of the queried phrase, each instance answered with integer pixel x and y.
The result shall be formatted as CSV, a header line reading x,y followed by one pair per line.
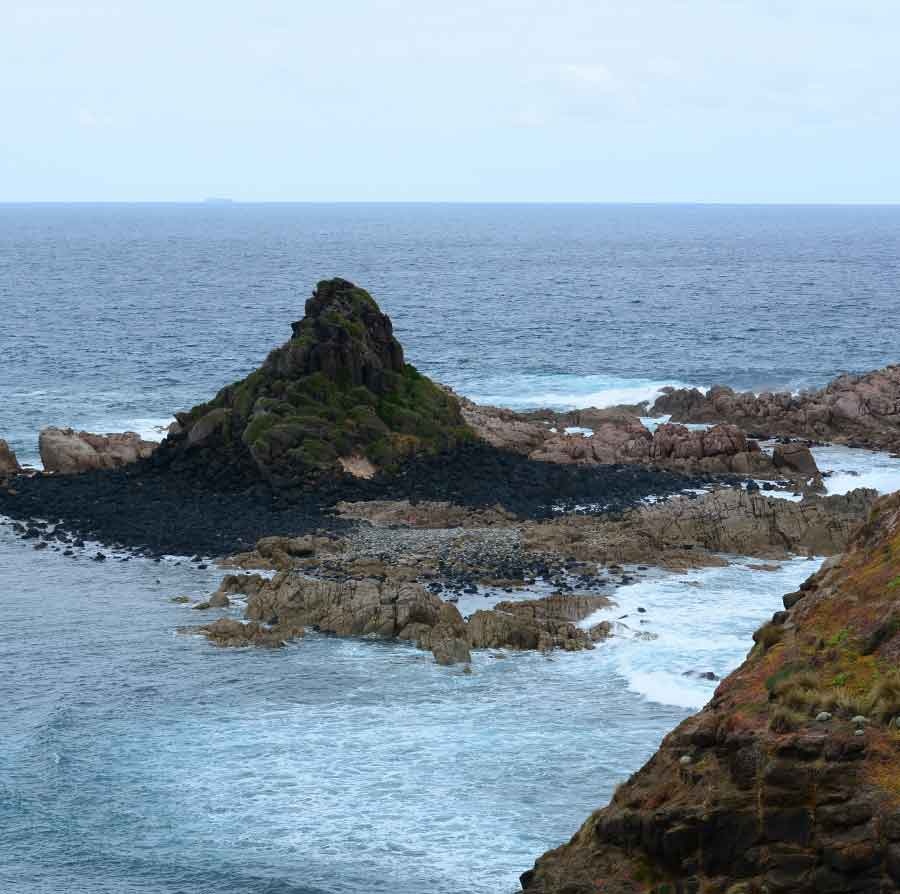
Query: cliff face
x,y
337,395
789,780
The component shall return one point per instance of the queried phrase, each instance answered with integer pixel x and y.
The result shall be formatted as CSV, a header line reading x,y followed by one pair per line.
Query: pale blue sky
x,y
461,100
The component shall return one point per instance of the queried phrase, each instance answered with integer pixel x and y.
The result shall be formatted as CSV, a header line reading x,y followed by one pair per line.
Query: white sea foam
x,y
567,392
578,430
852,468
694,623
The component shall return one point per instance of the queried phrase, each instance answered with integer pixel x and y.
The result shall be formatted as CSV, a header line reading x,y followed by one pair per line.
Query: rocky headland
x,y
787,781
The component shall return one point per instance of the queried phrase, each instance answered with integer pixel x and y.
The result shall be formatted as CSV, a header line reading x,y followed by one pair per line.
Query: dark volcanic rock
x,y
338,390
172,510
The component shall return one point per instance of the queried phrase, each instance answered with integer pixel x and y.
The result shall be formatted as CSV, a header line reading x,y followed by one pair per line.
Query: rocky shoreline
x,y
348,494
787,780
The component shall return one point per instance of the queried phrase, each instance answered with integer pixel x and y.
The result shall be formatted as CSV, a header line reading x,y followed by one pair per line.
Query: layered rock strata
x,y
789,779
687,532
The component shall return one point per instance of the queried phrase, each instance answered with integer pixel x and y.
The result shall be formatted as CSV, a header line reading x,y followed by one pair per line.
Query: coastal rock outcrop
x,y
863,410
544,624
787,781
9,465
336,399
687,532
395,608
616,436
357,607
68,452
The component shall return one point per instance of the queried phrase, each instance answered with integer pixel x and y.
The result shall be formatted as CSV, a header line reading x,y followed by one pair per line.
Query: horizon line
x,y
224,202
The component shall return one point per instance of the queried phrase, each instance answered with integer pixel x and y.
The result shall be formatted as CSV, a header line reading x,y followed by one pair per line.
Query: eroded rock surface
x,y
68,452
686,532
616,436
9,465
862,410
787,782
394,608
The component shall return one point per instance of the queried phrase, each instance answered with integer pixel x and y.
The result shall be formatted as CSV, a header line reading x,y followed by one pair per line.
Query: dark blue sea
x,y
137,761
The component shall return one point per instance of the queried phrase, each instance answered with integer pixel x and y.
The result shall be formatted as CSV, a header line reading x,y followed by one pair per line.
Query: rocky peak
x,y
337,396
344,336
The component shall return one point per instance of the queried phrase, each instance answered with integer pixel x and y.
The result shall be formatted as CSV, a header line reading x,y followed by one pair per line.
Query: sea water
x,y
135,759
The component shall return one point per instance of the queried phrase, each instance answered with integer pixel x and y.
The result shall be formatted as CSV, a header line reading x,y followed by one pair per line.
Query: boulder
x,y
795,459
9,465
66,451
447,639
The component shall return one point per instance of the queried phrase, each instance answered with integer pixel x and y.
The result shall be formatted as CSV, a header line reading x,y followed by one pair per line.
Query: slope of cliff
x,y
337,395
789,780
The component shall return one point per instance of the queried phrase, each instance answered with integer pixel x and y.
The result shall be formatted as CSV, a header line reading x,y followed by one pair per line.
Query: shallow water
x,y
136,760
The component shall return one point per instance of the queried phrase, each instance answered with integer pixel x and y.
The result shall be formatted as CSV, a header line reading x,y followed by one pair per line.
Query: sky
x,y
459,100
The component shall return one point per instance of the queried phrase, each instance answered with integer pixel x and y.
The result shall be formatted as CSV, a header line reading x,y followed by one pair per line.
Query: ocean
x,y
136,760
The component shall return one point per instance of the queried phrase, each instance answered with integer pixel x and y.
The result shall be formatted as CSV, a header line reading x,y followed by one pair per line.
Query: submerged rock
x,y
774,786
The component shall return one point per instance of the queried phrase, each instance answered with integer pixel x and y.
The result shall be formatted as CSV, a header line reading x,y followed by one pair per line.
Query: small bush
x,y
768,635
842,702
784,720
883,701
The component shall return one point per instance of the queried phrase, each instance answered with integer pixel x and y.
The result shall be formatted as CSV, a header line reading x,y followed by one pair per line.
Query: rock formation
x,y
337,398
686,532
861,410
9,465
620,437
393,607
67,452
543,624
788,781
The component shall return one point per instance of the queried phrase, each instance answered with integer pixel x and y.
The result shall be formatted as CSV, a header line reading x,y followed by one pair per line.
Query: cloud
x,y
591,74
87,118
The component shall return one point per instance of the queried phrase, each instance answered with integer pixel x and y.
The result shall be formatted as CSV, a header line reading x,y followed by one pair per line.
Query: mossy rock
x,y
339,386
